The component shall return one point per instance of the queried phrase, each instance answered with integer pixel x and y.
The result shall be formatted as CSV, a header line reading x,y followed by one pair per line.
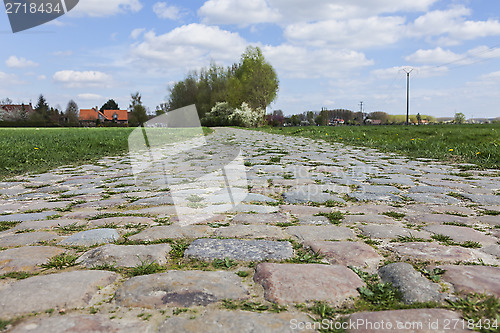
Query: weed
x,y
275,159
217,225
333,203
17,275
252,306
491,212
242,274
67,229
304,256
333,217
372,242
480,309
456,224
178,311
461,174
70,206
178,248
107,215
471,244
6,225
456,214
434,275
394,215
144,316
23,231
4,324
160,221
109,225
409,239
194,198
457,196
61,261
442,238
145,268
375,292
285,224
105,267
223,263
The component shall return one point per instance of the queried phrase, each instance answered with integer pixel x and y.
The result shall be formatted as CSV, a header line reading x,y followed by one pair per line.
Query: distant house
x,y
374,121
13,112
336,122
90,117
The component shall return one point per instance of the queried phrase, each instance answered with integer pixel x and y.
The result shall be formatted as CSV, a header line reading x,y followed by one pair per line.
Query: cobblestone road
x,y
82,241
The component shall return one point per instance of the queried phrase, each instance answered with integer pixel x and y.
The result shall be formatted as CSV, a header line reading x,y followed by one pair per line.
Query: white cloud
x,y
189,46
99,8
72,78
441,56
89,97
63,53
15,62
435,56
452,26
136,33
164,11
355,33
421,72
492,76
299,62
41,77
237,12
7,79
285,11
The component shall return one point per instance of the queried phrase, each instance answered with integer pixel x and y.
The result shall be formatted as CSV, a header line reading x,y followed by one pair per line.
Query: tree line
x,y
235,95
45,115
341,116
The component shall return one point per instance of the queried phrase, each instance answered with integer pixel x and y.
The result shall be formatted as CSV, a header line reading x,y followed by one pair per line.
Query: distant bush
x,y
222,114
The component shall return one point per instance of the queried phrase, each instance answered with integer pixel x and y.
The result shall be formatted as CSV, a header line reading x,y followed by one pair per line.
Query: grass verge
x,y
39,150
476,144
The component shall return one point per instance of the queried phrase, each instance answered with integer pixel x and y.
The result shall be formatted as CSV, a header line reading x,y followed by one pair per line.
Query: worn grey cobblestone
x,y
314,210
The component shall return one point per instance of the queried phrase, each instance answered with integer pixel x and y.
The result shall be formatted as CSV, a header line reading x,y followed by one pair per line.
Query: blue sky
x,y
327,53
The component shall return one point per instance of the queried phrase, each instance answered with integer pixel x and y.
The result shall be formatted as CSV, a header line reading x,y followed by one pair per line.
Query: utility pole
x,y
408,71
361,109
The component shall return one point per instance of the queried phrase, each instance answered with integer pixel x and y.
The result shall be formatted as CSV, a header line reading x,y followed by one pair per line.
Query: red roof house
x,y
13,112
89,117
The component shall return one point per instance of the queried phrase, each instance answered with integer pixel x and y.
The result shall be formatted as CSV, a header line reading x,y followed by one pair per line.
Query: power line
x,y
468,56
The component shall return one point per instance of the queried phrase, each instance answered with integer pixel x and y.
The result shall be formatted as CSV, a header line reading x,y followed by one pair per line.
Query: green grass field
x,y
38,150
476,144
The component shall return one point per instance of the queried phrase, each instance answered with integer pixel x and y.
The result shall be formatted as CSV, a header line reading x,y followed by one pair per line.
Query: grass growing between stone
x,y
379,296
38,150
145,268
482,309
60,261
4,324
375,296
303,255
476,144
446,240
17,275
252,306
6,225
334,217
